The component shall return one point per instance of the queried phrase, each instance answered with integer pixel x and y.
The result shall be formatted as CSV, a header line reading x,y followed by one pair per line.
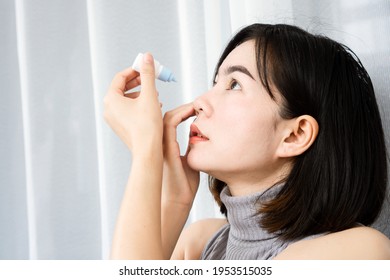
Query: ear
x,y
299,135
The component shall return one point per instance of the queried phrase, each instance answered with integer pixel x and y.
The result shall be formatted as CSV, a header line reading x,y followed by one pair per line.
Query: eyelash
x,y
231,85
215,80
235,83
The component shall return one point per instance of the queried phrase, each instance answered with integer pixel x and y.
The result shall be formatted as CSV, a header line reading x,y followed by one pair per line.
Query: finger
x,y
120,80
133,94
188,147
172,119
183,113
133,83
186,153
148,77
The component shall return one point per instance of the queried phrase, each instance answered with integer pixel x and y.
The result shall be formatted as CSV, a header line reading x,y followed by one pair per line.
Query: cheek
x,y
241,139
250,133
244,139
251,125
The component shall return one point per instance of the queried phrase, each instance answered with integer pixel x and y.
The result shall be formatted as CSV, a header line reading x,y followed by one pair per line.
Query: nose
x,y
202,105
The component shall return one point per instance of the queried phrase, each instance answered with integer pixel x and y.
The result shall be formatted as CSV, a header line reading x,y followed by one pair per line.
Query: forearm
x,y
138,229
173,219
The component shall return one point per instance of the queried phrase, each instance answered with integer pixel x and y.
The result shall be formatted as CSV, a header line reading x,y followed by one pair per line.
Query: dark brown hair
x,y
341,179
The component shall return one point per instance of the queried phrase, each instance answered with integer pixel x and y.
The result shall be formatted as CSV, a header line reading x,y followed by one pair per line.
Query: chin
x,y
193,162
197,163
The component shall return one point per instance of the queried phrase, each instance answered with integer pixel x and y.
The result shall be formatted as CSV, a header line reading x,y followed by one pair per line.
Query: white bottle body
x,y
162,73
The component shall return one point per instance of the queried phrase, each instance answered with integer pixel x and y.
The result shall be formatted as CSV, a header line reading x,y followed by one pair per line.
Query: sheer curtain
x,y
62,170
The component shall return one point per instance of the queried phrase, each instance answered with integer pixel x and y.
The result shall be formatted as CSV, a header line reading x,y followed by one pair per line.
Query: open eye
x,y
234,85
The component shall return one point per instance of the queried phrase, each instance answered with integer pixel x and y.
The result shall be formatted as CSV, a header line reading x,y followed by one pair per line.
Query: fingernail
x,y
148,58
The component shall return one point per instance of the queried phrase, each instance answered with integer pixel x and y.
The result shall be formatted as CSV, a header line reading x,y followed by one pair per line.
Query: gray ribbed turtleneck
x,y
243,237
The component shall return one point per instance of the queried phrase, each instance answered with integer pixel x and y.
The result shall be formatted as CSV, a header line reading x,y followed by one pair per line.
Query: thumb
x,y
148,86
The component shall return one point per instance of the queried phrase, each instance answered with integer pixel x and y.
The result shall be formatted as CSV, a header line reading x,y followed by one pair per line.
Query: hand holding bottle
x,y
136,118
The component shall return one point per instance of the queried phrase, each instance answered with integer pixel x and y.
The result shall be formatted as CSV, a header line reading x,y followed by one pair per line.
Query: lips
x,y
196,135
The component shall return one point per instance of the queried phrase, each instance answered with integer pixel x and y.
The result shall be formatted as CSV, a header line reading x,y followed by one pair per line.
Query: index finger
x,y
171,121
120,80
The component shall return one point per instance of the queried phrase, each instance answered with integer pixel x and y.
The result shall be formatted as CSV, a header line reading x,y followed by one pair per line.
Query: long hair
x,y
341,179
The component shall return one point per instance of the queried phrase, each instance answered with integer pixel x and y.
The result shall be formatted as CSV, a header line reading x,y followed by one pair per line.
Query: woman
x,y
291,136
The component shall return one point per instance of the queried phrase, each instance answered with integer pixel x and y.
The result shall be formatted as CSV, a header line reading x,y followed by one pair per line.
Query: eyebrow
x,y
238,68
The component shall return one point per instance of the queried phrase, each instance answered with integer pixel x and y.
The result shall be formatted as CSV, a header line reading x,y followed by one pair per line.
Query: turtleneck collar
x,y
242,213
243,237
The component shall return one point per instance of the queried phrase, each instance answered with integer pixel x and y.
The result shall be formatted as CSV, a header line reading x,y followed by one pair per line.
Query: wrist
x,y
148,150
177,206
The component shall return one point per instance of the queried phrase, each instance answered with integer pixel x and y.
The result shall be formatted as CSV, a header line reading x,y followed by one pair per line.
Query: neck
x,y
247,186
248,182
242,189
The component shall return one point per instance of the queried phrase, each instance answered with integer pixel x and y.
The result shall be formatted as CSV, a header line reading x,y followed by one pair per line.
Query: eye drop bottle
x,y
162,73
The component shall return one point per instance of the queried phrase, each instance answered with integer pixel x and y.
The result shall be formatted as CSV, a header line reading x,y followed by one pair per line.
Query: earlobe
x,y
300,134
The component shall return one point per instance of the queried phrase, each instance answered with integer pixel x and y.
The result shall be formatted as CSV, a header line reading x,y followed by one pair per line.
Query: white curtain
x,y
62,170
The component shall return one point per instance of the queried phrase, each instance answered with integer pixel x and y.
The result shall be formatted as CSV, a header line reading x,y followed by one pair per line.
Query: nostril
x,y
201,105
197,111
197,107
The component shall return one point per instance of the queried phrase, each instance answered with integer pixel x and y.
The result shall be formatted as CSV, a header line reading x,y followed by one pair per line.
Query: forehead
x,y
243,55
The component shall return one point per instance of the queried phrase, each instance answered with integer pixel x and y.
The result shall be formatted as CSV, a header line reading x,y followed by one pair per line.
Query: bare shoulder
x,y
193,238
355,243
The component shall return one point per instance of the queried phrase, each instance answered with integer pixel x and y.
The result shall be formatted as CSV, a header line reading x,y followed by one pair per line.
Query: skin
x,y
143,190
238,115
243,142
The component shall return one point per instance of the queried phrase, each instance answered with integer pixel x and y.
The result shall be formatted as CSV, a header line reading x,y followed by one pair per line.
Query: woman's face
x,y
238,128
